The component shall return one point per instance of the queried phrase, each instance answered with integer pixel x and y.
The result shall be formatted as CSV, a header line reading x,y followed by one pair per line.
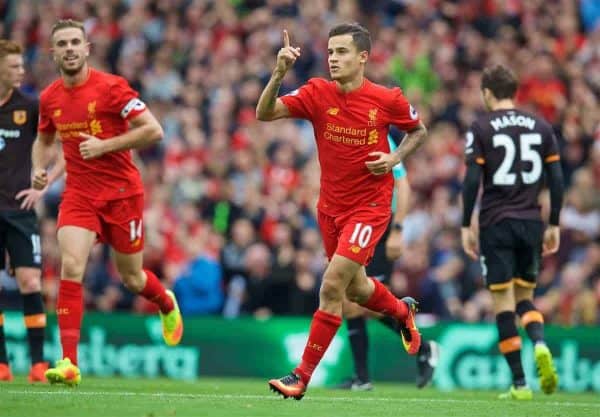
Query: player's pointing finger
x,y
286,39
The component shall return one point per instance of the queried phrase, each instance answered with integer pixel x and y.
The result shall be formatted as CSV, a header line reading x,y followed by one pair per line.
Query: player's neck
x,y
5,95
504,104
350,85
79,78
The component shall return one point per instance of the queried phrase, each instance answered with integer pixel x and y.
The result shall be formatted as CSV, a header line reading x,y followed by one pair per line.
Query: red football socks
x,y
69,311
155,292
322,330
383,301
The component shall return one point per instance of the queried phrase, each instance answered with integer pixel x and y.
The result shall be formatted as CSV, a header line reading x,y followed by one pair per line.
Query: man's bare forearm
x,y
137,138
41,154
266,103
410,143
58,168
402,200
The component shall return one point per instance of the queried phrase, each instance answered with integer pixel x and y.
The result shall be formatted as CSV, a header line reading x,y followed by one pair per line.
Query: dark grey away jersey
x,y
18,129
512,147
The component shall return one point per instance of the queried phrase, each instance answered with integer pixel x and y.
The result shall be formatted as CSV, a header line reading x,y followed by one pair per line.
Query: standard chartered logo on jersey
x,y
470,360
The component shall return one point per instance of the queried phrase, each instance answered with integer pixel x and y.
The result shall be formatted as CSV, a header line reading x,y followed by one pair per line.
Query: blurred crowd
x,y
230,202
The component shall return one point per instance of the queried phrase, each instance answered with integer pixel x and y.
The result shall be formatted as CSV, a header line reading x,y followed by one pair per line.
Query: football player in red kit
x,y
98,118
351,117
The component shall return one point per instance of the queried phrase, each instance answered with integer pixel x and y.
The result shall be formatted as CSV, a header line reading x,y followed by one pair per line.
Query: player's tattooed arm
x,y
269,107
384,162
411,142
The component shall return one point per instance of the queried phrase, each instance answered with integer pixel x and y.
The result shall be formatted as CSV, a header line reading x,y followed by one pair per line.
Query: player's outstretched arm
x,y
144,131
269,107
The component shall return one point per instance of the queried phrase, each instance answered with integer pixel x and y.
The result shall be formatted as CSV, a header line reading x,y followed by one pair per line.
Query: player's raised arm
x,y
269,107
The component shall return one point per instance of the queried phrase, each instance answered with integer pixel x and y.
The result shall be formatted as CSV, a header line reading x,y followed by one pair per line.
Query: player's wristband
x,y
397,227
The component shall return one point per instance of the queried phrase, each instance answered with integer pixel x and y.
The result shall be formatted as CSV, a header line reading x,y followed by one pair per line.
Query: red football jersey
x,y
349,126
100,107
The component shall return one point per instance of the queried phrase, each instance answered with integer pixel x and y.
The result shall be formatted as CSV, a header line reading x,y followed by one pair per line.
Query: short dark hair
x,y
8,47
500,81
68,23
360,35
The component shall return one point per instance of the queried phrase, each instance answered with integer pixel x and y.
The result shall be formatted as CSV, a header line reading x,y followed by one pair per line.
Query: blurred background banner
x,y
131,346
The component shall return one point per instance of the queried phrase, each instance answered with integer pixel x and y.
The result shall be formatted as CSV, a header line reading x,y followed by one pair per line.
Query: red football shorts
x,y
116,222
353,235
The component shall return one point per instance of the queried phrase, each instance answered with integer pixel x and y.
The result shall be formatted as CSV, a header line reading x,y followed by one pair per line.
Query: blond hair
x,y
8,47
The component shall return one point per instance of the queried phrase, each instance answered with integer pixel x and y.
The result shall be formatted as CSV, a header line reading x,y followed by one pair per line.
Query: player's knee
x,y
504,300
359,291
72,267
29,280
133,280
352,310
331,292
523,293
354,294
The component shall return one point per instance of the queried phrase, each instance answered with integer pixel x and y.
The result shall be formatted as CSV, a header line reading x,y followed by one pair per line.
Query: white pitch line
x,y
75,391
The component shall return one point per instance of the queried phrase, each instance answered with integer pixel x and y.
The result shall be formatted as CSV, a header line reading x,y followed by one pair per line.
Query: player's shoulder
x,y
106,78
390,90
24,98
51,90
384,93
320,83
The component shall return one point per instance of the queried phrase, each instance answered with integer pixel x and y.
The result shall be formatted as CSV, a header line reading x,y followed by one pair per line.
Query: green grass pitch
x,y
231,397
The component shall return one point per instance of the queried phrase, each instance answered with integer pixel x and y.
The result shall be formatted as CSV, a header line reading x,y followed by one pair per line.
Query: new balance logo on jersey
x,y
333,111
